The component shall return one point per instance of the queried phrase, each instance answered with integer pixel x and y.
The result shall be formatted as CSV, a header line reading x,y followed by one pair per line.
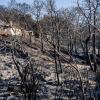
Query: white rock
x,y
11,98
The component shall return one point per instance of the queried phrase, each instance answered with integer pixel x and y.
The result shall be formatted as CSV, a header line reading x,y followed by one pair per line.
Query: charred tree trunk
x,y
42,45
94,54
56,65
94,43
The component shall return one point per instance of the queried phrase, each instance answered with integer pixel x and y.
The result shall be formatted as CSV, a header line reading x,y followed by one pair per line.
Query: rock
x,y
11,98
2,98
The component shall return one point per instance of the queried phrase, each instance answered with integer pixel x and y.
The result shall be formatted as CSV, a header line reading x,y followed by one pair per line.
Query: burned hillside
x,y
49,53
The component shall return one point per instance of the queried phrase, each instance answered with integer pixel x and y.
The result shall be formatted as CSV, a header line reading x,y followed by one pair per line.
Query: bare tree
x,y
37,13
27,75
91,19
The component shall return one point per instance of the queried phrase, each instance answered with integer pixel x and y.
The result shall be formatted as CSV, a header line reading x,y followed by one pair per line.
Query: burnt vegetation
x,y
48,53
